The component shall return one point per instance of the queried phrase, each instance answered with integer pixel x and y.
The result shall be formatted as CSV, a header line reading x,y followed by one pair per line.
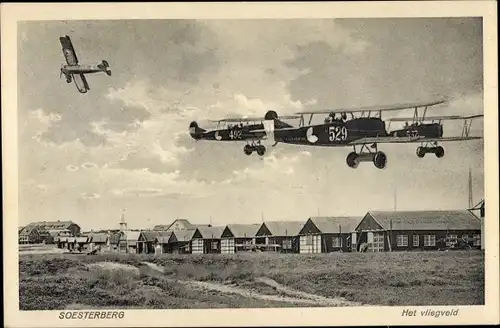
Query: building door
x,y
378,242
197,246
227,246
310,244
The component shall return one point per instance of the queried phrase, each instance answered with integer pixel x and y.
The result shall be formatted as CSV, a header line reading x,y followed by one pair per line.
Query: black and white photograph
x,y
251,163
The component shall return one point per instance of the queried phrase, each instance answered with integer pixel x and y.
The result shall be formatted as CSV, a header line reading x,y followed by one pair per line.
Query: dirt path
x,y
318,298
295,297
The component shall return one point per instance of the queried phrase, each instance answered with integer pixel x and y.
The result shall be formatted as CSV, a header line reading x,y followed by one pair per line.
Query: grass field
x,y
65,281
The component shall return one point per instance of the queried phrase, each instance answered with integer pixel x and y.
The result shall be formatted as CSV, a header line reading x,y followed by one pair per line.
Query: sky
x,y
124,146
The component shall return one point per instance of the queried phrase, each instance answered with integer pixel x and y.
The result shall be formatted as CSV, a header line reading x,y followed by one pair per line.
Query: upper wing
x,y
430,118
68,50
377,108
81,83
252,119
364,141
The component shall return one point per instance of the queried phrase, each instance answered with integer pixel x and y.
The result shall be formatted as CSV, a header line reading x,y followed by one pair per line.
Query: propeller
x,y
61,73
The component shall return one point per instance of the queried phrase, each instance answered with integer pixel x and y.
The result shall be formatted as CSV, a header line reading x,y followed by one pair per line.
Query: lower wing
x,y
363,141
81,82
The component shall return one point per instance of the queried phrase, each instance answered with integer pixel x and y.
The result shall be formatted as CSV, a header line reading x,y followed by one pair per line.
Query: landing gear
x,y
68,78
439,152
352,160
430,148
378,158
420,152
249,149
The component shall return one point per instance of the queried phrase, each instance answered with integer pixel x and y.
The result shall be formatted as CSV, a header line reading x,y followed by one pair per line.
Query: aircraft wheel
x,y
261,150
248,150
420,152
68,80
352,161
439,152
380,160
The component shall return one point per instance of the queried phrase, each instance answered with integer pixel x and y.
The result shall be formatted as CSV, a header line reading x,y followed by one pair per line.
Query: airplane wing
x,y
377,108
81,83
252,119
68,50
430,118
419,139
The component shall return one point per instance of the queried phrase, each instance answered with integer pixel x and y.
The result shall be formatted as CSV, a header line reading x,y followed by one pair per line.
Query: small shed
x,y
161,242
238,237
127,242
180,241
327,234
207,240
146,241
281,236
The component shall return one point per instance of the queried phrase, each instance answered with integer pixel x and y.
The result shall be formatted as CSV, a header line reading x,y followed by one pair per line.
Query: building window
x,y
402,240
287,244
477,240
309,240
348,242
430,240
416,240
336,242
214,245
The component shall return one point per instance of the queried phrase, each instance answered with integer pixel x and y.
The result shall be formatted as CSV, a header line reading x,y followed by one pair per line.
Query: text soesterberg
x,y
85,315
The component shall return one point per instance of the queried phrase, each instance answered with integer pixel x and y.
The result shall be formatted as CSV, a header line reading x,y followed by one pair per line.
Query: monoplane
x,y
73,71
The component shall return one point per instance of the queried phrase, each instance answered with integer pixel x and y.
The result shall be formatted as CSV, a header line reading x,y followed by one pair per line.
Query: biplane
x,y
364,128
73,71
250,129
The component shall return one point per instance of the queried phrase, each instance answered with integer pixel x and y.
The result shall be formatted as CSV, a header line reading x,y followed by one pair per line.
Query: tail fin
x,y
272,115
105,67
195,131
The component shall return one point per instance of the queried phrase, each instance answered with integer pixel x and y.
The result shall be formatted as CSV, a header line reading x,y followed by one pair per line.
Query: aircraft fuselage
x,y
428,130
85,69
331,134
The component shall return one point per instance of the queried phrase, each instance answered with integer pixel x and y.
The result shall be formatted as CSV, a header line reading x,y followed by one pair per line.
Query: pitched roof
x,y
57,232
244,230
149,235
160,227
332,224
211,232
52,225
163,237
183,235
284,228
130,235
114,238
98,237
27,230
20,229
427,220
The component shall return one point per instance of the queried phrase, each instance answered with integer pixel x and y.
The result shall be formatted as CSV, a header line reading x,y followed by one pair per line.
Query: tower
x,y
123,223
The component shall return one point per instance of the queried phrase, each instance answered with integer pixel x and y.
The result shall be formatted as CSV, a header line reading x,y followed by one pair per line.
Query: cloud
x,y
90,196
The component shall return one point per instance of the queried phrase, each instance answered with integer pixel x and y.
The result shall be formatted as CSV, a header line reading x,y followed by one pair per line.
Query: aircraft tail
x,y
195,131
273,116
105,67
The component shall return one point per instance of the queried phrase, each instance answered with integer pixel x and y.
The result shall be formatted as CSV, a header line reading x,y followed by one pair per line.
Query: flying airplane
x,y
74,71
365,129
430,131
249,129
